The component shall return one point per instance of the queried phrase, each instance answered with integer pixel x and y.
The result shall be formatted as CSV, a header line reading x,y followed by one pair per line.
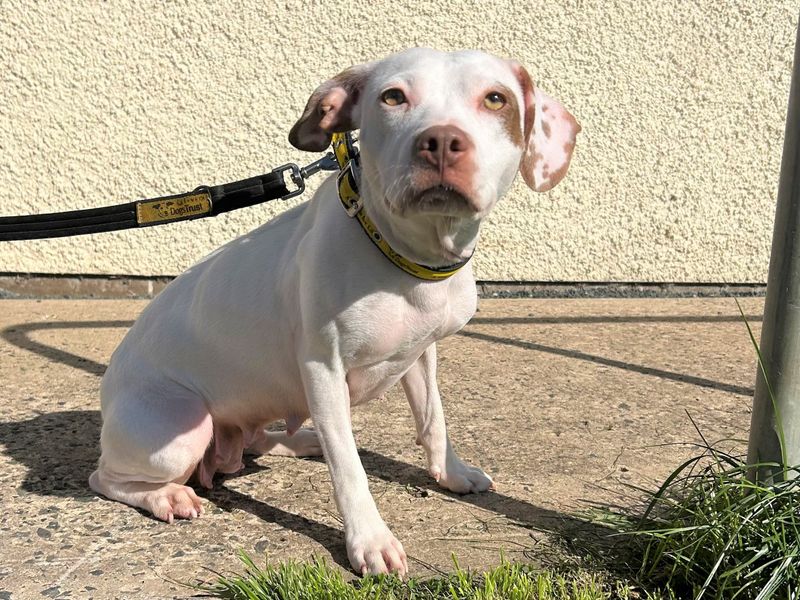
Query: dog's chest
x,y
383,347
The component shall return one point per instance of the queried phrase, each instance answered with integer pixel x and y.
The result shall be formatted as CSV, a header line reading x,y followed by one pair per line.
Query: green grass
x,y
710,532
713,531
707,532
509,581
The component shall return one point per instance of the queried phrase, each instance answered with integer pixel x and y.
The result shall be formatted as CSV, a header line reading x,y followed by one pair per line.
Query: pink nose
x,y
443,146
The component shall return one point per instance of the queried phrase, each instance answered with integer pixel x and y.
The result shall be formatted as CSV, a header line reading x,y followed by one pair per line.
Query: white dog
x,y
306,317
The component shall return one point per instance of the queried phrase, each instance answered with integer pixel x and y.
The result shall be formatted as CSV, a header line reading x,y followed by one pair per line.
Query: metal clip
x,y
348,189
298,174
326,163
296,177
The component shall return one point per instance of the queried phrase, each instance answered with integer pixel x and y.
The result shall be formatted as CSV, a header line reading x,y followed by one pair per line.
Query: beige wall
x,y
682,105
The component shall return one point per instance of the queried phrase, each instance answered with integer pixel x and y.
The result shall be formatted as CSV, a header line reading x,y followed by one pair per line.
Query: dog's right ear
x,y
330,109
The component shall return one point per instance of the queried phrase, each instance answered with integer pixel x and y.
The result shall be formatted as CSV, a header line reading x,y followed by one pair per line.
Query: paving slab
x,y
565,402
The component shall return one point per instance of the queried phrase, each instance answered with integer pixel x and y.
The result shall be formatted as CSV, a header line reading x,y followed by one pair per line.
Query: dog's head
x,y
443,133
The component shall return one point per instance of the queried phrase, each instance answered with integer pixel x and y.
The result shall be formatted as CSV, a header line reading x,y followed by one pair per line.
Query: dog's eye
x,y
494,101
393,97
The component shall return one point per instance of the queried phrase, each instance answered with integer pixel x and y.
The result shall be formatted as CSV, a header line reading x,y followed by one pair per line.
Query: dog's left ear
x,y
550,133
330,109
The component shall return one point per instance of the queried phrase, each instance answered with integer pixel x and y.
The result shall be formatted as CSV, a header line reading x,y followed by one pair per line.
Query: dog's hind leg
x,y
150,447
304,442
165,501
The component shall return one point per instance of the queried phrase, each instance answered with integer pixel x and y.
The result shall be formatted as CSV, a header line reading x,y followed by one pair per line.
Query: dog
x,y
305,317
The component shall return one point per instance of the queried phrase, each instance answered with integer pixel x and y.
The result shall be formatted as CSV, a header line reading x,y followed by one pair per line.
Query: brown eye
x,y
494,101
393,97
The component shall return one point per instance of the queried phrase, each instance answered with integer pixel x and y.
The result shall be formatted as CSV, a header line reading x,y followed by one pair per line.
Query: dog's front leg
x,y
371,547
451,472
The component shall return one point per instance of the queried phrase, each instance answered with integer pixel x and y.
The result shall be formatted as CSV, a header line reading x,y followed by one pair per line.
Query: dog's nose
x,y
443,145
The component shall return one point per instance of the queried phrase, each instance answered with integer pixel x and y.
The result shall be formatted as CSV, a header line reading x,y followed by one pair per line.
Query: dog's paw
x,y
375,550
459,477
173,500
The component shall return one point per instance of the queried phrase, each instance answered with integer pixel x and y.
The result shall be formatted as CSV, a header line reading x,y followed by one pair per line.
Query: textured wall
x,y
674,179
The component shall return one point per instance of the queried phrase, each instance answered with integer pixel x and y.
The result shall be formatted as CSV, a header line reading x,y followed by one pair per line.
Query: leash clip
x,y
326,163
298,175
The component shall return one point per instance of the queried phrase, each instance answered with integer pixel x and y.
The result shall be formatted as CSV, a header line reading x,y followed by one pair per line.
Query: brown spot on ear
x,y
575,125
510,114
551,179
527,163
526,83
542,138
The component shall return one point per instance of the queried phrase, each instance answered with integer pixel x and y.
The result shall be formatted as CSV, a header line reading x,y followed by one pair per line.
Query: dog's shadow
x,y
60,450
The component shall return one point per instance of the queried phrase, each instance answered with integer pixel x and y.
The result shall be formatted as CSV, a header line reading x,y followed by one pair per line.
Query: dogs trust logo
x,y
173,209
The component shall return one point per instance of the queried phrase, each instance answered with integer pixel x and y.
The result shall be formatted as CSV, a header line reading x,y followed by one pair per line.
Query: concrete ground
x,y
564,402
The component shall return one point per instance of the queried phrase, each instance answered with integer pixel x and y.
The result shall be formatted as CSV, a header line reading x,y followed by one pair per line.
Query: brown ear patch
x,y
550,132
552,178
526,83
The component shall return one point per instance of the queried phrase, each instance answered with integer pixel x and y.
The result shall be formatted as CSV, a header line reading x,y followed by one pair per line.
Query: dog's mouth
x,y
442,200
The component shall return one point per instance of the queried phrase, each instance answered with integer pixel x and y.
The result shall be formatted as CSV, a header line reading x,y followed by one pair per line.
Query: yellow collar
x,y
347,157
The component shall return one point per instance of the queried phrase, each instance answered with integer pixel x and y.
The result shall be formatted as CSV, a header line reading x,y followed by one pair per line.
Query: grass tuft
x,y
710,532
318,580
714,530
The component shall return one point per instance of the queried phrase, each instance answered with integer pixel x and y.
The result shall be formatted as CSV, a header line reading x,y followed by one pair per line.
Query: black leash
x,y
203,202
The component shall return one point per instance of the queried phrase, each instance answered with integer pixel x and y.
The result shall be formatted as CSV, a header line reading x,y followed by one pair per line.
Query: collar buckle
x,y
347,182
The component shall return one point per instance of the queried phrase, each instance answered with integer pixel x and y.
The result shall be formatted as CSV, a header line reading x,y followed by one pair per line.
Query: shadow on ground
x,y
60,449
19,335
